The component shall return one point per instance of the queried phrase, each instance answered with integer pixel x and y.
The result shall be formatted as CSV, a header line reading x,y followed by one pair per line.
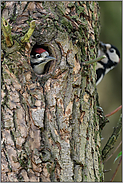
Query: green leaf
x,y
120,154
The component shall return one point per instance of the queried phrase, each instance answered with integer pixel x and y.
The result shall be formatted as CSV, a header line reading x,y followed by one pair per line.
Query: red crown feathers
x,y
39,50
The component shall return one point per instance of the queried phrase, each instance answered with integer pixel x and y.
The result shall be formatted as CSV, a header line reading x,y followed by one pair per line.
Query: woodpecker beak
x,y
102,46
48,58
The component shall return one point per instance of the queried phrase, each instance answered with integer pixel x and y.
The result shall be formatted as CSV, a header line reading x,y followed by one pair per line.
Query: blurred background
x,y
110,88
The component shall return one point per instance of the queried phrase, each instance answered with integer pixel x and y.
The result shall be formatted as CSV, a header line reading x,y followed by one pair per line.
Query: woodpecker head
x,y
111,52
39,58
109,62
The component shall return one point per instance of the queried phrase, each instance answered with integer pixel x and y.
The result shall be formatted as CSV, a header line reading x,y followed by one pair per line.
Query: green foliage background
x,y
110,89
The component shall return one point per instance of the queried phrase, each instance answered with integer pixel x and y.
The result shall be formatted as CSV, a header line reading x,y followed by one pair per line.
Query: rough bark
x,y
50,128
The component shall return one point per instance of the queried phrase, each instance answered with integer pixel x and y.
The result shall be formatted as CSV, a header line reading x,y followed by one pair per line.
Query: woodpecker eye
x,y
37,55
112,50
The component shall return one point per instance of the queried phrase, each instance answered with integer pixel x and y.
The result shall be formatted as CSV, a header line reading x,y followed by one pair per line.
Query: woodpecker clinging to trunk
x,y
109,62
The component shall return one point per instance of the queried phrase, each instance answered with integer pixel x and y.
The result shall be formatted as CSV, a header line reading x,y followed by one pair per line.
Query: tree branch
x,y
113,152
113,112
7,32
94,60
29,33
116,170
112,139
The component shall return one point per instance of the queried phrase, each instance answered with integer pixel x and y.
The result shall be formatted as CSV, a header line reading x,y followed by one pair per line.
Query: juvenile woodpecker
x,y
109,62
39,58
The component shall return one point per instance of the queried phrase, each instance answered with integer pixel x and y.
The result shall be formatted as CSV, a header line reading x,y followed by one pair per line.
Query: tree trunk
x,y
50,128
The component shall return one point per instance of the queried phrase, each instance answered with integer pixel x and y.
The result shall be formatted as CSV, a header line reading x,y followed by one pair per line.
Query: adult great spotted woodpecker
x,y
40,57
109,62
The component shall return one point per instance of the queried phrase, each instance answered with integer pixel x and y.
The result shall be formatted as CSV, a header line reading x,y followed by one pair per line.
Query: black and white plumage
x,y
109,62
39,58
